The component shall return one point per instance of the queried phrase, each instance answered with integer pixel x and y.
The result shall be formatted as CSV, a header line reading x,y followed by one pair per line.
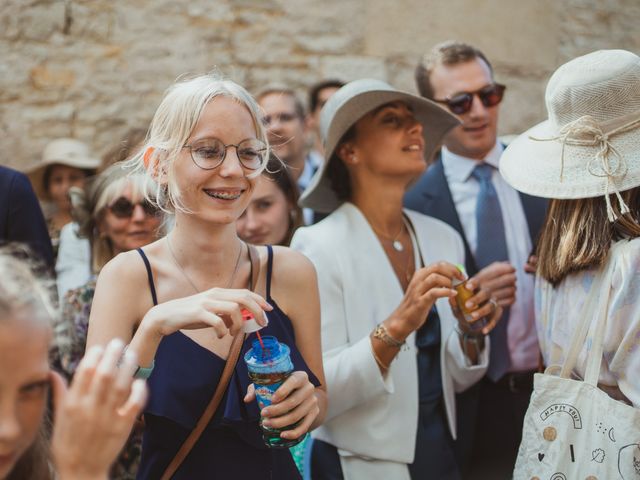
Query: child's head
x,y
26,316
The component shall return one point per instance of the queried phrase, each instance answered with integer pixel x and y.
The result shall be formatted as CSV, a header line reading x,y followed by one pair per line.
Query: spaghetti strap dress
x,y
182,384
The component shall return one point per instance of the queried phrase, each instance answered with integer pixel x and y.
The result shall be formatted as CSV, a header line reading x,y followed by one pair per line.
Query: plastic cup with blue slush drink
x,y
269,365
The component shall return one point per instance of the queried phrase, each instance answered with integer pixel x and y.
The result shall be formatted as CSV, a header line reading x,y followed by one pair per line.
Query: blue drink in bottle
x,y
269,365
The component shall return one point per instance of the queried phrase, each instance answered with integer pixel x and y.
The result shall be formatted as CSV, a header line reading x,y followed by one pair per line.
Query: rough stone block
x,y
351,67
93,21
59,112
38,22
43,76
257,4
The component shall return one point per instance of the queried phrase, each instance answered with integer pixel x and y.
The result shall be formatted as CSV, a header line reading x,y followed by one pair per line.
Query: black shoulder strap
x,y
152,286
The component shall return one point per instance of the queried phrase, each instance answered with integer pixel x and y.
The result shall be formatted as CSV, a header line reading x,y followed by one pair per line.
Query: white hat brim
x,y
36,172
435,120
534,164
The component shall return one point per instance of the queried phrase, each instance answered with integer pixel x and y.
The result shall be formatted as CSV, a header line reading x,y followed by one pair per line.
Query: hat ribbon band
x,y
574,134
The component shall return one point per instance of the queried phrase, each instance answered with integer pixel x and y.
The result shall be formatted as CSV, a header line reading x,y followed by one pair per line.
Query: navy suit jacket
x,y
431,195
21,218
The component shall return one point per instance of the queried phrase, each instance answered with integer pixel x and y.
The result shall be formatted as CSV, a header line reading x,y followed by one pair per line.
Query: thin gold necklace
x,y
395,241
233,275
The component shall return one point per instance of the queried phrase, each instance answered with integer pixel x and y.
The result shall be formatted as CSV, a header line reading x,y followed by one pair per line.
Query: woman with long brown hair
x,y
586,158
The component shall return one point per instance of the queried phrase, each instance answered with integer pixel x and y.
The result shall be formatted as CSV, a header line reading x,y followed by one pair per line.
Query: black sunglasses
x,y
490,96
123,208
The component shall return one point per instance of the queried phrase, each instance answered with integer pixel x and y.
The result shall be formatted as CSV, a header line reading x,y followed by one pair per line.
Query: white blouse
x,y
621,349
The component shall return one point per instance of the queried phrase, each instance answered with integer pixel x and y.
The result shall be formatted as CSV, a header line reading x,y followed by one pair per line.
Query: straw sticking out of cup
x,y
251,325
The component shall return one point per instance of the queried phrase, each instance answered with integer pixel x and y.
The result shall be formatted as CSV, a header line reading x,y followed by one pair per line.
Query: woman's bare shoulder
x,y
130,266
125,267
291,263
293,278
126,275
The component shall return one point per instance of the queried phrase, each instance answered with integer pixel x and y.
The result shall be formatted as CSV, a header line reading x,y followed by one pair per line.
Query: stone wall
x,y
92,69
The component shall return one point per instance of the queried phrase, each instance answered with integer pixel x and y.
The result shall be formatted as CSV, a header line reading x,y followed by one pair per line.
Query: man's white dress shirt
x,y
521,330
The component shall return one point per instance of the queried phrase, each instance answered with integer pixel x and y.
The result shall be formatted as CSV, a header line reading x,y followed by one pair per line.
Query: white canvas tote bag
x,y
572,429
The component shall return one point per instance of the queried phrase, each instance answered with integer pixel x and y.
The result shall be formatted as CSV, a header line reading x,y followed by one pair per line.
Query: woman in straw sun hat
x,y
66,163
394,351
586,158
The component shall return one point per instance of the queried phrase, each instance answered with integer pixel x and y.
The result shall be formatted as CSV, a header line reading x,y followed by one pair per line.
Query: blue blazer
x,y
431,196
21,218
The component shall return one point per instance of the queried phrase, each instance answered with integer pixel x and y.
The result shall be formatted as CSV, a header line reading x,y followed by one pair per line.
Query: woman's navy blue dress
x,y
182,384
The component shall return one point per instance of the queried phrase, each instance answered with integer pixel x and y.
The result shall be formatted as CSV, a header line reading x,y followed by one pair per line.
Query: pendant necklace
x,y
175,259
395,241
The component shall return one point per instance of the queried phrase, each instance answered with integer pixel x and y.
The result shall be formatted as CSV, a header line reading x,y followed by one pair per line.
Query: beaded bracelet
x,y
144,373
382,334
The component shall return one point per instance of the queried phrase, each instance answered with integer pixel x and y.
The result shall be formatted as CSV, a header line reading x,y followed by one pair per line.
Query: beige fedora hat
x,y
590,144
62,151
350,104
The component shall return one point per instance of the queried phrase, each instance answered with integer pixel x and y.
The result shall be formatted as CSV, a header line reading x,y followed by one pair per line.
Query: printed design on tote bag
x,y
629,462
598,455
563,408
604,430
550,433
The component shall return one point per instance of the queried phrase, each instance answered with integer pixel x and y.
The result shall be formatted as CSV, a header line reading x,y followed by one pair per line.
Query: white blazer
x,y
372,417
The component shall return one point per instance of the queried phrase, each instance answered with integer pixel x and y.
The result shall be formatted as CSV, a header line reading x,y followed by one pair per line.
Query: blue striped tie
x,y
492,247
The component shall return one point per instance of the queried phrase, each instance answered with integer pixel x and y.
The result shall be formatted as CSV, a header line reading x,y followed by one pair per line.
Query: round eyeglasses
x,y
211,152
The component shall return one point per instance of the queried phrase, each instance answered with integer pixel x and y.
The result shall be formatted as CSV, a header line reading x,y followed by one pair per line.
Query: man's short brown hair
x,y
450,52
283,90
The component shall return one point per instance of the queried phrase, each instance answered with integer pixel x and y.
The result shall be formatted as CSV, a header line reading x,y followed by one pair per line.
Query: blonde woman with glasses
x,y
206,149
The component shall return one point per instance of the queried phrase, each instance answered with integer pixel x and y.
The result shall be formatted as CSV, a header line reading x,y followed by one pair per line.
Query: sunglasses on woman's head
x,y
123,208
490,96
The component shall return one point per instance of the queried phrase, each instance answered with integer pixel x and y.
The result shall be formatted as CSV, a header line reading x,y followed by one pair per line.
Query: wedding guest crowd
x,y
433,272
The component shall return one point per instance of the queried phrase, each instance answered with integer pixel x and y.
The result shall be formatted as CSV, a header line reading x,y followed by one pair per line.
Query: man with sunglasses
x,y
464,188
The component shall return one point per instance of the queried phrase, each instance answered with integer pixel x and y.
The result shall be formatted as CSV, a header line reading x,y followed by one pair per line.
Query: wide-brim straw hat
x,y
590,144
348,105
62,151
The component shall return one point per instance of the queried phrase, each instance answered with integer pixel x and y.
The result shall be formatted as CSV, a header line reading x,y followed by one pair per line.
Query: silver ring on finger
x,y
493,302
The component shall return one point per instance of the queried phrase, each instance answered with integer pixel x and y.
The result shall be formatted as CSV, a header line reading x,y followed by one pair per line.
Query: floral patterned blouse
x,y
70,338
54,235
